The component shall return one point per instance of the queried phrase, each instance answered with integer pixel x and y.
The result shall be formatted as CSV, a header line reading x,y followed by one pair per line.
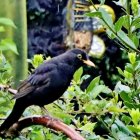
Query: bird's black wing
x,y
38,78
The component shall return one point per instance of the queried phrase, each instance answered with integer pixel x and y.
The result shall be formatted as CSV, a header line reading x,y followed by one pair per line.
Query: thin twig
x,y
7,88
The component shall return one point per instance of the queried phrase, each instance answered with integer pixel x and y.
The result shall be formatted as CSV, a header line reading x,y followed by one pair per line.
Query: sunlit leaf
x,y
116,109
125,38
93,83
88,127
135,21
89,107
119,23
2,29
120,71
97,90
7,21
8,44
132,57
78,74
93,14
135,115
134,129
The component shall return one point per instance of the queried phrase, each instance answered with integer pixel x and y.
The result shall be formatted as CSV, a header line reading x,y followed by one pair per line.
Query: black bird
x,y
47,83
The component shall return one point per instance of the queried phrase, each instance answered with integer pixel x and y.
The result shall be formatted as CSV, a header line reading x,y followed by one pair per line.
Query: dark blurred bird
x,y
47,83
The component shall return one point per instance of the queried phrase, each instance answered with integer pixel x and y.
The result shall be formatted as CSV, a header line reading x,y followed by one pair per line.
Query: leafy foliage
x,y
97,112
87,110
128,40
7,43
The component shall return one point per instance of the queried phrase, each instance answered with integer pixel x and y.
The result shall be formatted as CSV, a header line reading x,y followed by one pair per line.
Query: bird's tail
x,y
16,113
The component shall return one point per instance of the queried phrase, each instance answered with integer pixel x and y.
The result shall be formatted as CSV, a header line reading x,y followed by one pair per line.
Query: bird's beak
x,y
88,62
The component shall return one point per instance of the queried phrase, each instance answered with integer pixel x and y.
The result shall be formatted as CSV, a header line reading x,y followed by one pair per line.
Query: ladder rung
x,y
80,9
81,20
79,16
79,2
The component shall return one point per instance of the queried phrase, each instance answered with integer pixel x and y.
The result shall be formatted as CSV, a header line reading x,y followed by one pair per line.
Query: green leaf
x,y
129,67
93,83
2,100
121,3
97,90
107,90
107,20
114,129
123,127
88,127
36,135
135,21
120,71
125,96
37,60
122,88
130,105
89,107
57,112
110,33
7,21
119,23
84,77
134,28
126,119
93,14
78,74
137,66
135,39
135,7
116,109
135,115
126,39
133,129
127,74
127,22
132,57
102,2
8,44
2,29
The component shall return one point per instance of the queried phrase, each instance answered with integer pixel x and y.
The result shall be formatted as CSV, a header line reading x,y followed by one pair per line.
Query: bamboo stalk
x,y
16,12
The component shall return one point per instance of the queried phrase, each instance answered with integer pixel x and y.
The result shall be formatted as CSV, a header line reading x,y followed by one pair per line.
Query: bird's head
x,y
80,57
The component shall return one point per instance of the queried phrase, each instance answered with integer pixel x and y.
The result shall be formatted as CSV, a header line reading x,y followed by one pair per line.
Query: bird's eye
x,y
79,56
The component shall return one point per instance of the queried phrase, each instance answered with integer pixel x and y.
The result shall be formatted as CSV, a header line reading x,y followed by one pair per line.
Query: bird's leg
x,y
44,110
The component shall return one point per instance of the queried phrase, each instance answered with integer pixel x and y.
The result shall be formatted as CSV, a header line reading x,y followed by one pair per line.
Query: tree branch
x,y
47,122
7,88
